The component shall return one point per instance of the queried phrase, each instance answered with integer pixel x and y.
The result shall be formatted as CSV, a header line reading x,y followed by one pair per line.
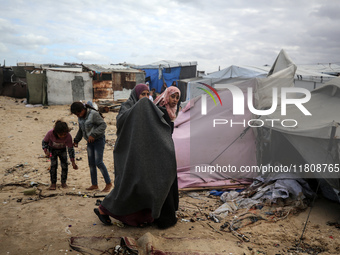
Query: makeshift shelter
x,y
221,138
167,71
204,151
113,82
227,75
221,144
306,76
310,145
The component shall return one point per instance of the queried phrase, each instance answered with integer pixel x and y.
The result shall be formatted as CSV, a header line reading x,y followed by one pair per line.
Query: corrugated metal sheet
x,y
102,90
108,68
165,64
110,79
123,81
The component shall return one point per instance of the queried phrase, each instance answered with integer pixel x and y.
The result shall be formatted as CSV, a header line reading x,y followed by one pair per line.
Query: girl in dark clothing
x,y
54,145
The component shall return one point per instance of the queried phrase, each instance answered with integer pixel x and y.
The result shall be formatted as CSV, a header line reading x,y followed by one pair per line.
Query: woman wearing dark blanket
x,y
145,190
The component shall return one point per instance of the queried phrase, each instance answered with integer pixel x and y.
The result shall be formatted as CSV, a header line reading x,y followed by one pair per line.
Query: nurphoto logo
x,y
239,102
204,97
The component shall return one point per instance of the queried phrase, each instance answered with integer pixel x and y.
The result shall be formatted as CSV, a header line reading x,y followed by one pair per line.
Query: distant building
x,y
113,82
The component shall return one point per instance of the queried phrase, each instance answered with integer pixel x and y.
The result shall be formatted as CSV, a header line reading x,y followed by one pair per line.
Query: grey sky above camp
x,y
213,33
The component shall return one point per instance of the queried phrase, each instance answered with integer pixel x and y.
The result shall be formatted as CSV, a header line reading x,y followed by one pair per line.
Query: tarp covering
x,y
230,74
324,106
305,76
167,77
167,71
198,143
234,71
310,139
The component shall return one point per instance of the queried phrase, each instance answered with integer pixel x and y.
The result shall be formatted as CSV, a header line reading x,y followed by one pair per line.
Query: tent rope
x,y
240,136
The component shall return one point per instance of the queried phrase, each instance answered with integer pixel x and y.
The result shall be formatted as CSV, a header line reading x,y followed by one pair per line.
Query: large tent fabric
x,y
314,140
230,74
200,146
312,137
234,71
306,76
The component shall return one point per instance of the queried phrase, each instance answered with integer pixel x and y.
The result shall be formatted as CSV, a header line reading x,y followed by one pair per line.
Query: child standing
x,y
54,145
92,128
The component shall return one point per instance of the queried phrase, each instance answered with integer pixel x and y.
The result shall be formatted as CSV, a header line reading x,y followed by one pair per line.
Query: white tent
x,y
310,143
230,74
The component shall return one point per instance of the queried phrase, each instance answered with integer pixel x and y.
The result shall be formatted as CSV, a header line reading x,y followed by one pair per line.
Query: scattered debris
x,y
31,191
335,224
306,248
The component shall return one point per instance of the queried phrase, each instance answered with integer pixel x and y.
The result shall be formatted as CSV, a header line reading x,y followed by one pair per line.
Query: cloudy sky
x,y
214,33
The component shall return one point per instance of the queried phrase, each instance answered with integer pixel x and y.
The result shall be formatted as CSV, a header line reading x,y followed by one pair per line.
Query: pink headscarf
x,y
163,100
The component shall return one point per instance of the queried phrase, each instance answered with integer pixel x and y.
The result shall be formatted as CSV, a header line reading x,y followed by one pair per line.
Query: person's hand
x,y
75,145
90,139
74,165
47,153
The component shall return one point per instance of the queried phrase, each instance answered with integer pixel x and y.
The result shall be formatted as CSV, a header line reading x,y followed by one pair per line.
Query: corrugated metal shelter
x,y
113,82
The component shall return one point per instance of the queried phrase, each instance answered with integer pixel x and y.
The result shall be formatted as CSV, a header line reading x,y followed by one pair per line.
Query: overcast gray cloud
x,y
214,33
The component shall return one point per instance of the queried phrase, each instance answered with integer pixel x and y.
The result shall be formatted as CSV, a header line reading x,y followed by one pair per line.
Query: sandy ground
x,y
46,222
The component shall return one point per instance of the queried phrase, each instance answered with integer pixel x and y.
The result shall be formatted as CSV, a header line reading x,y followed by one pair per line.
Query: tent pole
x,y
310,210
329,150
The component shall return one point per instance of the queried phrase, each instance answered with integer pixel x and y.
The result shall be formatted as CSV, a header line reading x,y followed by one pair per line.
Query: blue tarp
x,y
169,75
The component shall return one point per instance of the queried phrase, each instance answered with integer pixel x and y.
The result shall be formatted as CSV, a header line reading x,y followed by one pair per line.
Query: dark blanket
x,y
144,160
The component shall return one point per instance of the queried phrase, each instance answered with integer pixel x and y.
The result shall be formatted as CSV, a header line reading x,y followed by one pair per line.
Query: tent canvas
x,y
306,76
230,74
199,145
314,140
309,142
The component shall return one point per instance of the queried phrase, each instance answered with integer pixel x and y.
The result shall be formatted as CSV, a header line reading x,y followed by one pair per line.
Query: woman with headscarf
x,y
145,187
168,103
